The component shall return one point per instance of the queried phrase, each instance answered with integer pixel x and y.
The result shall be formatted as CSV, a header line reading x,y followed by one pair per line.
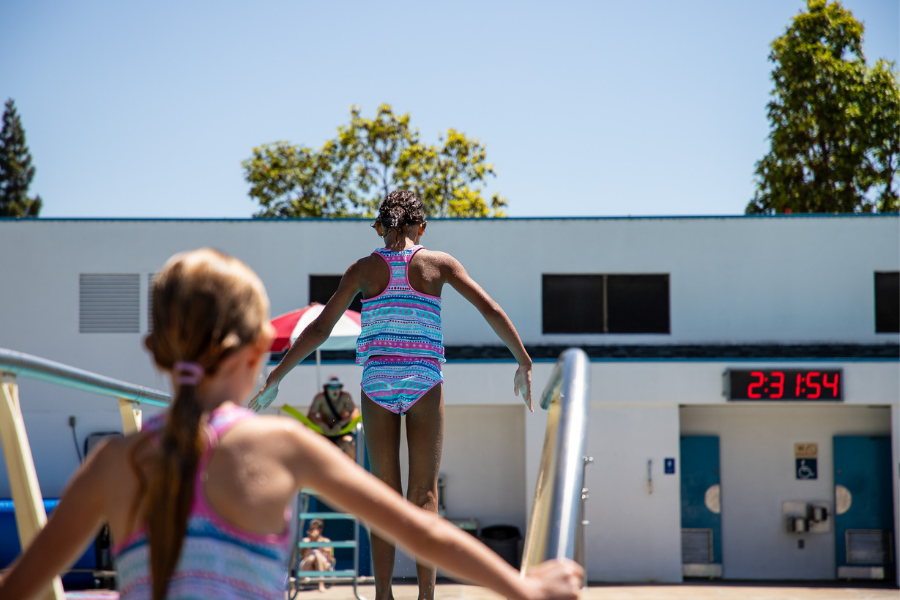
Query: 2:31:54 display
x,y
785,384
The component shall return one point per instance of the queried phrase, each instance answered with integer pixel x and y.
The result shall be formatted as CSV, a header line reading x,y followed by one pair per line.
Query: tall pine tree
x,y
16,171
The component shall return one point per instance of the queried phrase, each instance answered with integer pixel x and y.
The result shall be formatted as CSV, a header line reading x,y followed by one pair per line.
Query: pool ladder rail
x,y
297,578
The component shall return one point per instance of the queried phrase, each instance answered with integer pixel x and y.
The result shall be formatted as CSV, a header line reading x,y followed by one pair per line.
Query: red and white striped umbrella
x,y
289,326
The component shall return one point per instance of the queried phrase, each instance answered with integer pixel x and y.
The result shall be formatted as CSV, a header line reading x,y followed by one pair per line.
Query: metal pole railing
x,y
24,487
33,367
555,527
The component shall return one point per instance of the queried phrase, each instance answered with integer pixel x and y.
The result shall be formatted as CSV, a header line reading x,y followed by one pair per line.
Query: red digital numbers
x,y
786,385
758,384
833,386
810,384
779,384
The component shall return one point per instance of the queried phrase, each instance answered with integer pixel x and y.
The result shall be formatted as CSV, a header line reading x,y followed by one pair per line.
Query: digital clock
x,y
784,384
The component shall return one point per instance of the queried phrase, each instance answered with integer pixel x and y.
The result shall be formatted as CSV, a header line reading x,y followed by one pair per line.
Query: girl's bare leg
x,y
321,565
425,437
383,445
348,445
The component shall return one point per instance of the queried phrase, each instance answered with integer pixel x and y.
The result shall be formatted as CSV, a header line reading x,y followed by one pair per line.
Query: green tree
x,y
835,121
368,158
16,171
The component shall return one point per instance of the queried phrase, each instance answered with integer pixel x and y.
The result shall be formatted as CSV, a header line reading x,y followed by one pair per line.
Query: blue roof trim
x,y
492,219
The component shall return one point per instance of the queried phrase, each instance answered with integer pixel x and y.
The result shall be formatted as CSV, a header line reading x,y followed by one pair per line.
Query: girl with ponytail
x,y
196,501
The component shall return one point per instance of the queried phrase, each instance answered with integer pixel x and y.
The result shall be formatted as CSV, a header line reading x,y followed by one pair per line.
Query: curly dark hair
x,y
399,210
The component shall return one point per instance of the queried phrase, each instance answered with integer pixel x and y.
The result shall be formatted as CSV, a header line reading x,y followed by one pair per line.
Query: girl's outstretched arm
x,y
454,274
311,338
70,528
321,466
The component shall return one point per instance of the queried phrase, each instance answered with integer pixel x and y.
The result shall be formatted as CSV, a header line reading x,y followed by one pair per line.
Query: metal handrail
x,y
555,527
33,367
23,482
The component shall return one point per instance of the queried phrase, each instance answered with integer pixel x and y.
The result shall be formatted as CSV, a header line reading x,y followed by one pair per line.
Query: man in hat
x,y
332,409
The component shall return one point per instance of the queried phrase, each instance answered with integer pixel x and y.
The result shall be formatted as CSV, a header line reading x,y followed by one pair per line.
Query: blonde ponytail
x,y
206,305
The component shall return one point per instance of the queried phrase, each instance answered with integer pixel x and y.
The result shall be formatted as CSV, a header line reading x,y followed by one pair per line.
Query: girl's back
x,y
229,547
428,272
397,319
245,481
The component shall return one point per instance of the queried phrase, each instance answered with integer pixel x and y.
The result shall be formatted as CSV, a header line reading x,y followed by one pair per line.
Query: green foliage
x,y
351,173
16,171
835,122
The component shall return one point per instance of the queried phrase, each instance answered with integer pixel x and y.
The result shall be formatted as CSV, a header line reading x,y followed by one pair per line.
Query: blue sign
x,y
669,465
806,468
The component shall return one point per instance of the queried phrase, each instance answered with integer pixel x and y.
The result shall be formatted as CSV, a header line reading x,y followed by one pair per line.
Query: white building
x,y
786,305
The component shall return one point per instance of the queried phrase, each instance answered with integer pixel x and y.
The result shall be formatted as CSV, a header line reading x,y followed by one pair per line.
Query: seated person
x,y
316,559
332,409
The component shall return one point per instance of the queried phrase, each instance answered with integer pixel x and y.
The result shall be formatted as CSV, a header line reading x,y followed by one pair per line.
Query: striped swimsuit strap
x,y
398,262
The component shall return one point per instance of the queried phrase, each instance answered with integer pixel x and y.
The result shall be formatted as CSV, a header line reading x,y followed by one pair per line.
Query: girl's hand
x,y
555,580
264,398
522,383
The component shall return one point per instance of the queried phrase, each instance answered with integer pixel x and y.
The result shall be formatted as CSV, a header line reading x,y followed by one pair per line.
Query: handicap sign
x,y
806,468
669,466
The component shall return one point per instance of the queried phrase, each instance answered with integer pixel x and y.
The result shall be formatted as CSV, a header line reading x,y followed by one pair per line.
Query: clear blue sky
x,y
587,108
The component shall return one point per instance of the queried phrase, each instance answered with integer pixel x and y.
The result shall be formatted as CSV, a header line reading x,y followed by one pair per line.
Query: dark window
x,y
323,287
605,303
573,303
637,303
887,302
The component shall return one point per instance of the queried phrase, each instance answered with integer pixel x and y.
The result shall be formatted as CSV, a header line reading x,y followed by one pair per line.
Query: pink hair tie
x,y
187,373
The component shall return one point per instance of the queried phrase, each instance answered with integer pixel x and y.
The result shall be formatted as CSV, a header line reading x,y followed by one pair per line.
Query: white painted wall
x,y
733,280
738,279
484,465
700,382
756,448
633,535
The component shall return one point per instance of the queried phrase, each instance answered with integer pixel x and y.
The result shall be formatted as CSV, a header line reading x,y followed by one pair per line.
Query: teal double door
x,y
863,506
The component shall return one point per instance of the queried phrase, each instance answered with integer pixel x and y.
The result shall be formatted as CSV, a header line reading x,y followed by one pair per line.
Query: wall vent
x,y
109,303
151,279
696,546
868,547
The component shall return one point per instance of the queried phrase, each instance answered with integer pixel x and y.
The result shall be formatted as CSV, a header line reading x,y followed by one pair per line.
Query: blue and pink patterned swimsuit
x,y
401,346
218,560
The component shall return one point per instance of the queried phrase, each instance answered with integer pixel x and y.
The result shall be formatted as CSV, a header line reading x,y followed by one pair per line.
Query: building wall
x,y
733,280
756,447
793,280
484,468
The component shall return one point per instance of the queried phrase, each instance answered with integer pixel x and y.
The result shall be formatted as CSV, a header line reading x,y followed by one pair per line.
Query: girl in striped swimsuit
x,y
401,350
196,501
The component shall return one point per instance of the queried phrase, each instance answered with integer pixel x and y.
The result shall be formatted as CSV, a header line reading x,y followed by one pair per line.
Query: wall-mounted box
x,y
807,517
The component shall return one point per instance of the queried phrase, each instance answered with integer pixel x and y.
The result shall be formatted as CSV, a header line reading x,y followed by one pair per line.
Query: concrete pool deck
x,y
689,591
